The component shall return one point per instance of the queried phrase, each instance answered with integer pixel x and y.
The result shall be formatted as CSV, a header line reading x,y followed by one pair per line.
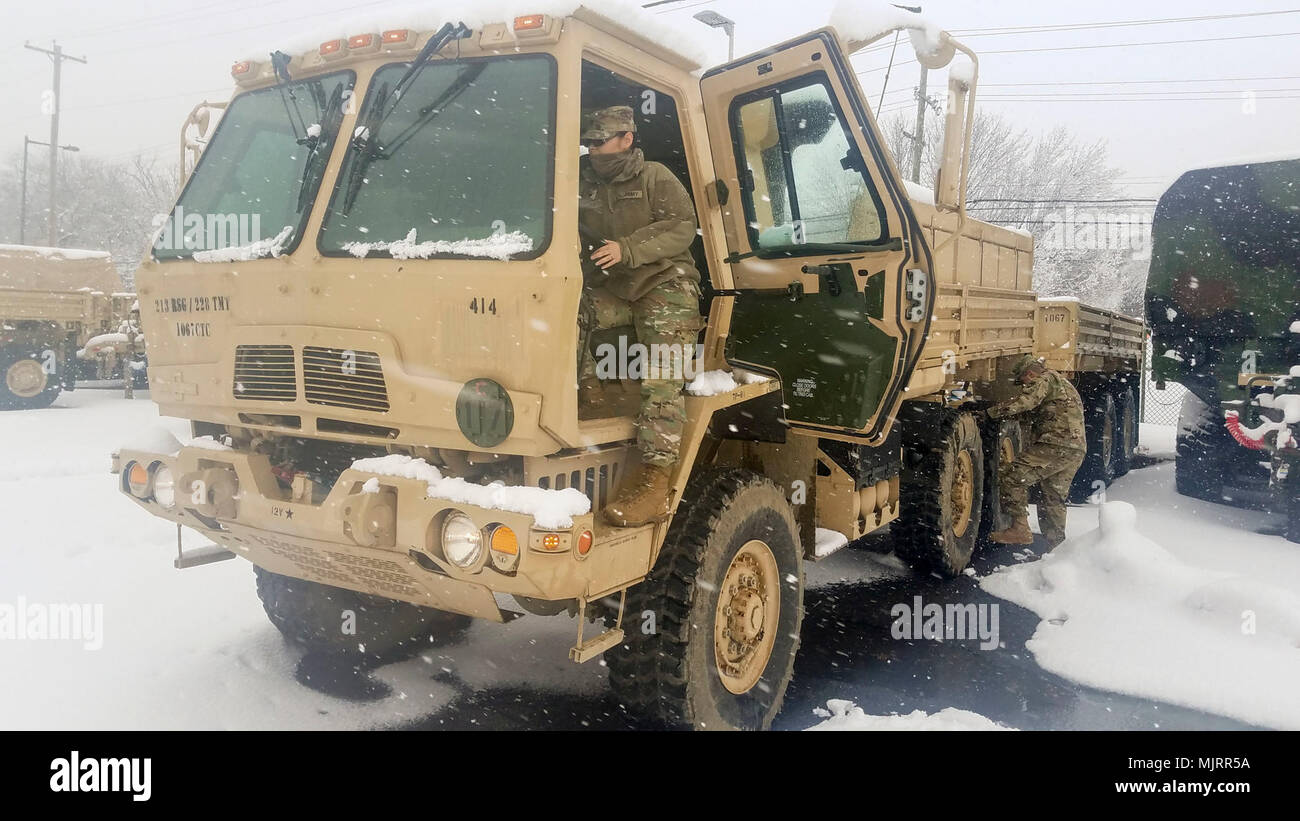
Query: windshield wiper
x,y
365,139
318,144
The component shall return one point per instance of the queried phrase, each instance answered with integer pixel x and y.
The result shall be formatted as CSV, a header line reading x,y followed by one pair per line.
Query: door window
x,y
803,178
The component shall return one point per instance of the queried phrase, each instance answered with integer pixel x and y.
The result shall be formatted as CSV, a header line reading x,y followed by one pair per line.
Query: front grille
x,y
265,372
344,379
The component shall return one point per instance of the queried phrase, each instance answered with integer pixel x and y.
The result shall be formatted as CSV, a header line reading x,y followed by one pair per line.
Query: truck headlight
x,y
462,543
164,487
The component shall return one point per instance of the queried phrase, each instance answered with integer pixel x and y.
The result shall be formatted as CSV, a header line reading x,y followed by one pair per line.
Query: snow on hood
x,y
272,247
1122,613
680,39
551,509
497,246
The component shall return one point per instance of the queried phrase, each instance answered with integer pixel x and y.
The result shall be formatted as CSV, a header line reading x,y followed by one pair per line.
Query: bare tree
x,y
107,205
1045,184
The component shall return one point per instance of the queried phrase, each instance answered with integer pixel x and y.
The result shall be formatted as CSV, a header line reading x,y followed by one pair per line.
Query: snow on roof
x,y
684,42
53,253
865,20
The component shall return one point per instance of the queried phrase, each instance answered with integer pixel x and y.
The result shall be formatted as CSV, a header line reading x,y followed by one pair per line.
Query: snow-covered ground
x,y
185,649
1170,598
193,649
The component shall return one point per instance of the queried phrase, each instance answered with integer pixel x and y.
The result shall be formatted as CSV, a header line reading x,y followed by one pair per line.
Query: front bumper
x,y
336,543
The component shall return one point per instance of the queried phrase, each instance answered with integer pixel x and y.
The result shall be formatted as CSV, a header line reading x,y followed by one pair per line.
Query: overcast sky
x,y
150,61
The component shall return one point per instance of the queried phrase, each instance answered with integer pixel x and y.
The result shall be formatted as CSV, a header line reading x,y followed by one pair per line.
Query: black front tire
x,y
930,534
1126,438
1202,450
313,616
1100,427
669,674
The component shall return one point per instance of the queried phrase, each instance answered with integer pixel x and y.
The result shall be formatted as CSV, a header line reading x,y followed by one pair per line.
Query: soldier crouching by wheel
x,y
1055,445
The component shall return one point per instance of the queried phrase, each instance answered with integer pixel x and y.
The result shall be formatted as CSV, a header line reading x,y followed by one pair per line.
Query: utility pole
x,y
56,56
918,136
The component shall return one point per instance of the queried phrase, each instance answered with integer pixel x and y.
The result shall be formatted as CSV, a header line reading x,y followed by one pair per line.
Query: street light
x,y
22,208
717,21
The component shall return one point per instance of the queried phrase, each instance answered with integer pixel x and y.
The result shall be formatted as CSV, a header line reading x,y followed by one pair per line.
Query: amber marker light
x,y
504,548
529,22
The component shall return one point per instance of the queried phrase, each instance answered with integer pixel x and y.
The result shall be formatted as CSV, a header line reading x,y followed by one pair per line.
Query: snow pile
x,y
153,439
919,193
1122,613
101,341
684,41
272,247
829,541
711,383
207,443
865,20
498,246
845,715
551,509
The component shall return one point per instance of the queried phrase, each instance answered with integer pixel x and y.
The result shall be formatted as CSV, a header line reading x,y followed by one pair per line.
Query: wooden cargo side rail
x,y
973,322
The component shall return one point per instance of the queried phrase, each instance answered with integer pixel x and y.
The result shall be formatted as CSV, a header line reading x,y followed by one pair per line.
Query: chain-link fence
x,y
1159,407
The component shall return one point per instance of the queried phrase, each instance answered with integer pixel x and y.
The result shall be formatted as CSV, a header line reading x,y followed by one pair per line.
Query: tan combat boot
x,y
1018,533
643,498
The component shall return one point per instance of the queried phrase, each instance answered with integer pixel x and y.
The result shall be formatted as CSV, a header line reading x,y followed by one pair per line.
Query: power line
x,y
999,30
1148,43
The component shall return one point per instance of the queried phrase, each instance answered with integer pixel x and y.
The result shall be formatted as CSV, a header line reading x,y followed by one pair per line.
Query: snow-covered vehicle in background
x,y
382,383
1222,295
53,302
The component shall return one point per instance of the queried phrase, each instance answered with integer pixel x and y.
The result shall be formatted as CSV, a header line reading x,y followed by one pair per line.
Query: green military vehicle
x,y
383,387
53,303
1222,294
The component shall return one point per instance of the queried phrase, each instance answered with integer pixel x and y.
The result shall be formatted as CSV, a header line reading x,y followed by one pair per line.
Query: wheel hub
x,y
749,605
26,378
963,491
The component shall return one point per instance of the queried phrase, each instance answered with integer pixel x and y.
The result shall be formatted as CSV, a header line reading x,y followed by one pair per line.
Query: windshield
x,y
254,184
460,166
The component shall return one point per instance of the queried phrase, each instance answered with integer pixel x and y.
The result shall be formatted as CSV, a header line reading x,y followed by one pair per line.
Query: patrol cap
x,y
604,123
1024,363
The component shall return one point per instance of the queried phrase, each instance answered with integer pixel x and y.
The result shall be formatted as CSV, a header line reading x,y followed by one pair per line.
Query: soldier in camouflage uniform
x,y
1052,421
646,222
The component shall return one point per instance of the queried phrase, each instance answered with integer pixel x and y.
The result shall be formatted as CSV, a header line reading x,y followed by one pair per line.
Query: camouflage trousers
x,y
1052,468
669,315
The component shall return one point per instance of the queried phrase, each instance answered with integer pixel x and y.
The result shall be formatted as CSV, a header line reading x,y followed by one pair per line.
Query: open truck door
x,y
831,273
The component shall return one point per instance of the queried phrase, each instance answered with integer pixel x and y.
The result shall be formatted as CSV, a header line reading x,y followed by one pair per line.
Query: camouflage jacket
x,y
1053,410
646,210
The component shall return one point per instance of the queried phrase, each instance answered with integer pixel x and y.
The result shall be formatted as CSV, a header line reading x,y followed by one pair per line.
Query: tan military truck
x,y
52,302
383,385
